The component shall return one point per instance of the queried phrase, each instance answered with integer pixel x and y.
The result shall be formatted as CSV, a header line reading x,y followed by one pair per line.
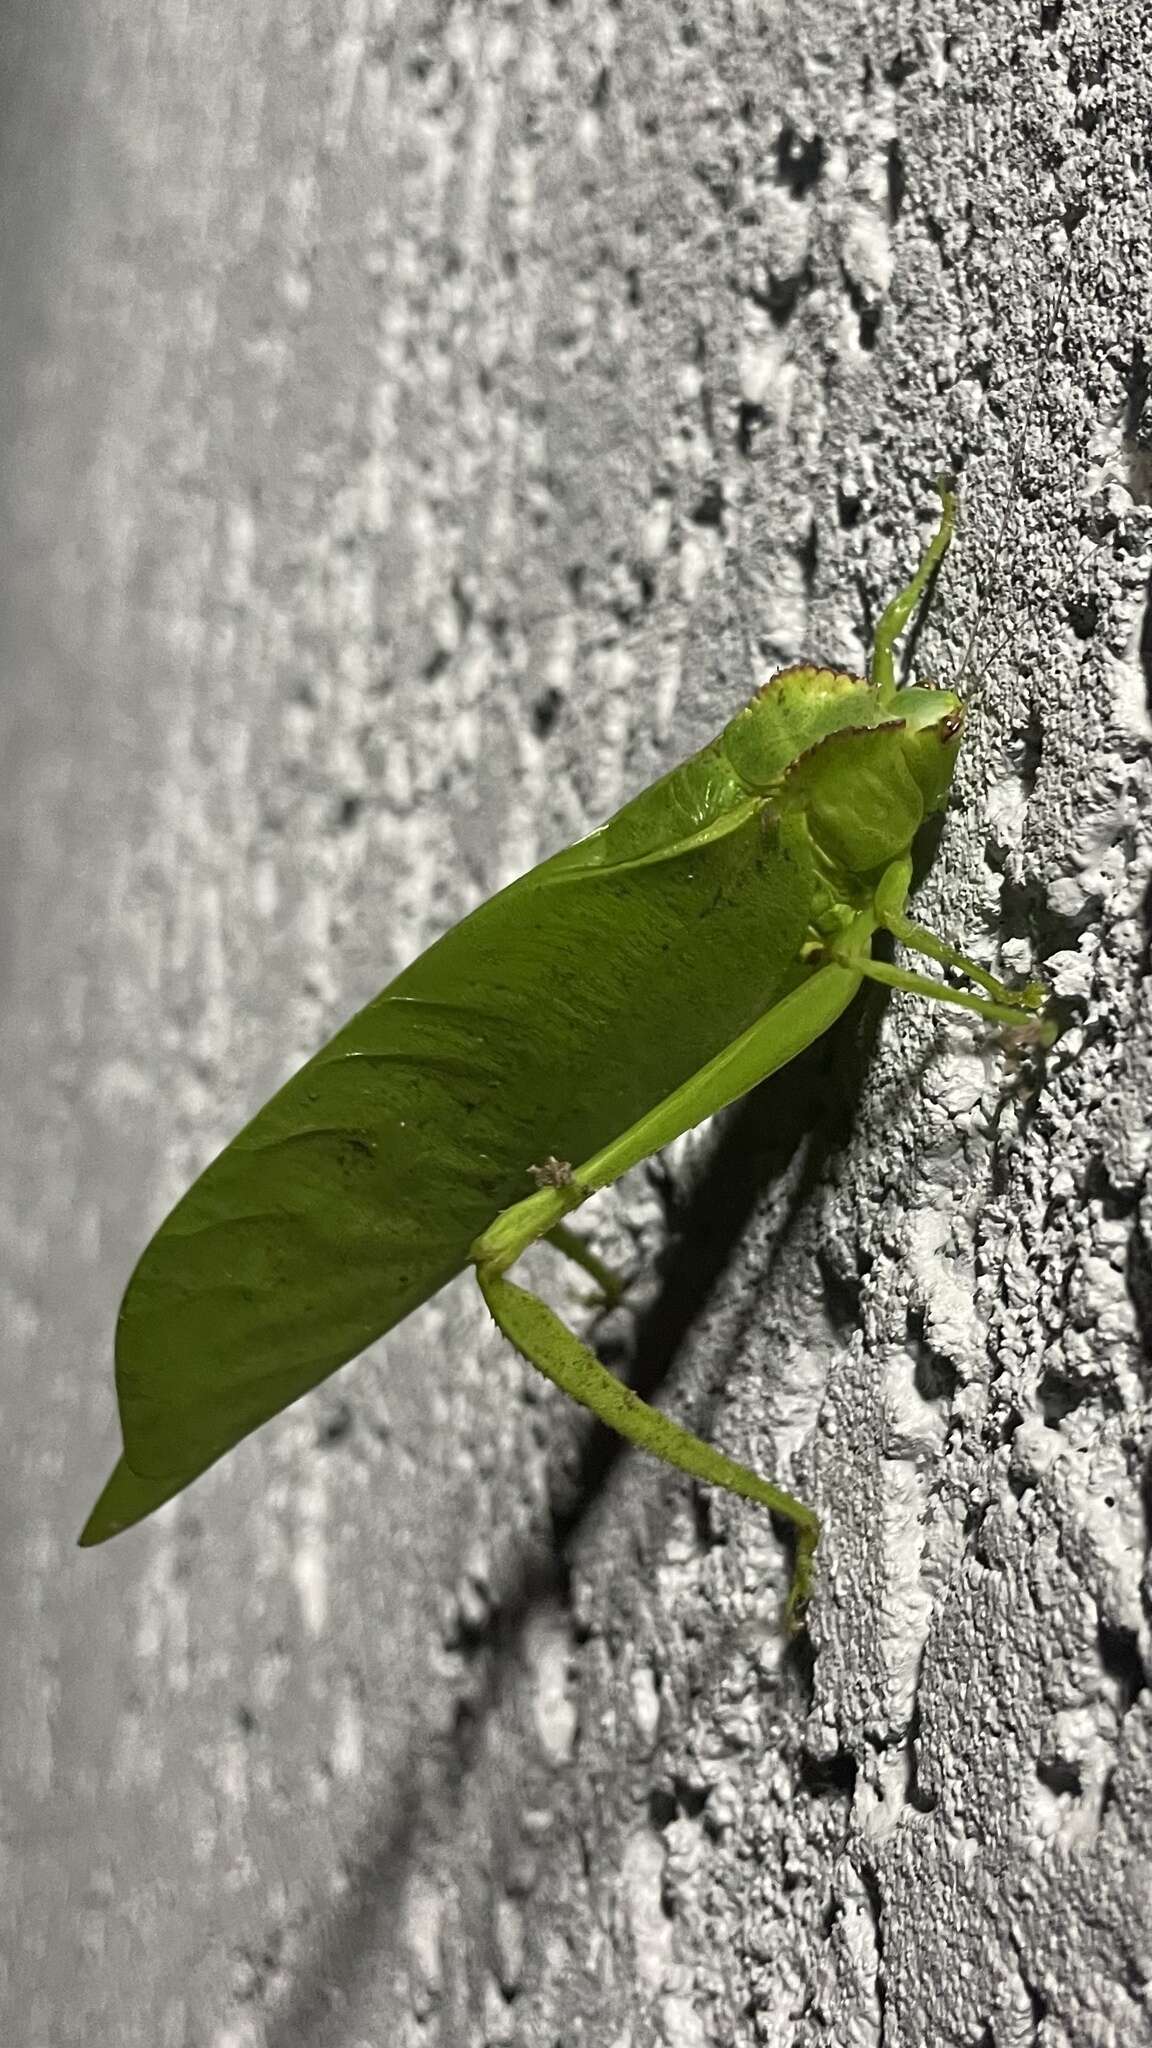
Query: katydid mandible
x,y
599,1007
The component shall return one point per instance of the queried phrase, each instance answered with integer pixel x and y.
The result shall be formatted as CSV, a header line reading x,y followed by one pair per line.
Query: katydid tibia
x,y
619,994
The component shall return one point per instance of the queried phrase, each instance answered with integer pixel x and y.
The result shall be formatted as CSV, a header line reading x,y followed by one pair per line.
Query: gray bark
x,y
423,423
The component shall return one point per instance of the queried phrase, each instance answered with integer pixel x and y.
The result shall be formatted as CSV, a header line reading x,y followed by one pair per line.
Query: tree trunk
x,y
424,424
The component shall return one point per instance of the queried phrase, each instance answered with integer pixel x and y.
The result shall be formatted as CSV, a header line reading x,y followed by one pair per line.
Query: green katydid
x,y
617,995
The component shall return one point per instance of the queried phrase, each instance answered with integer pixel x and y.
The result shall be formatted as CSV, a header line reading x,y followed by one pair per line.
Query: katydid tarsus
x,y
619,994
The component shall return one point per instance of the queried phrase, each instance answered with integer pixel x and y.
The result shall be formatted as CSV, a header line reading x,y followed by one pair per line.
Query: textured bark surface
x,y
421,425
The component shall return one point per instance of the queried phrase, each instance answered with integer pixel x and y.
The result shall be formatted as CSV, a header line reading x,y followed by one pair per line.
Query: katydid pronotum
x,y
617,995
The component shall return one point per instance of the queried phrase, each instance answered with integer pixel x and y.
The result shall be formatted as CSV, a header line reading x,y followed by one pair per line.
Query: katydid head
x,y
864,762
933,729
805,709
864,792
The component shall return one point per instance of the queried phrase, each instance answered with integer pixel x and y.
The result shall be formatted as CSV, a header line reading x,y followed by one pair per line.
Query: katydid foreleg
x,y
1006,1004
890,898
1008,1013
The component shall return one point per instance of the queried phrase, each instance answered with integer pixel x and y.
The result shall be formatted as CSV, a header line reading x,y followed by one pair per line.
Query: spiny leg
x,y
896,615
539,1336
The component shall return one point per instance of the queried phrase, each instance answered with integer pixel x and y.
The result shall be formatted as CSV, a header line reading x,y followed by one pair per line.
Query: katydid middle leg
x,y
571,1245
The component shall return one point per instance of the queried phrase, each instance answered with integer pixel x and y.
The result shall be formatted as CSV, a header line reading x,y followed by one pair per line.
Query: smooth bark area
x,y
422,424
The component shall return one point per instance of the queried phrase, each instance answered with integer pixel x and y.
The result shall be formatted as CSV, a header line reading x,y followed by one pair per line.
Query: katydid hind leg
x,y
538,1333
547,1343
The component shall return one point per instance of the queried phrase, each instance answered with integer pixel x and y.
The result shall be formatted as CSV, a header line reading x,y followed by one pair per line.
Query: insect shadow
x,y
1145,647
811,1104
